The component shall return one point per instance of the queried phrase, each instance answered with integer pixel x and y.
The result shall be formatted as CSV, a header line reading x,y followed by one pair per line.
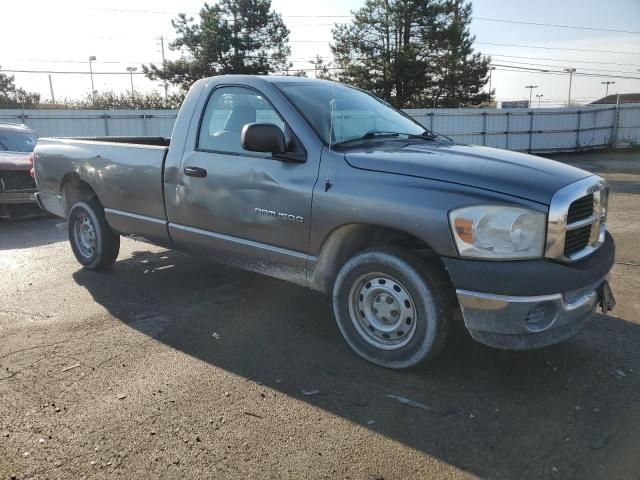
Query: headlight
x,y
498,231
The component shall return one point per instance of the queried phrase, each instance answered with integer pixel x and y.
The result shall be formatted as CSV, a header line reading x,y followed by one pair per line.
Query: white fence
x,y
533,130
92,123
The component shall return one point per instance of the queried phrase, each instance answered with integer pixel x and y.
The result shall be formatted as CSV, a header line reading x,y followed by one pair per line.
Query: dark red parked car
x,y
17,186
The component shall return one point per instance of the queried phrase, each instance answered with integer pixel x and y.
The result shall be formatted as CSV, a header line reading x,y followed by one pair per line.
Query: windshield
x,y
13,140
355,113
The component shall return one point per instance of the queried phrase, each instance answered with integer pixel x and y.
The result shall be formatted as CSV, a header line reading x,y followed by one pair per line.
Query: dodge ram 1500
x,y
332,188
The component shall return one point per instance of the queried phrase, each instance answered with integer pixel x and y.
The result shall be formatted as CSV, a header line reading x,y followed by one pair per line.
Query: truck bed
x,y
125,173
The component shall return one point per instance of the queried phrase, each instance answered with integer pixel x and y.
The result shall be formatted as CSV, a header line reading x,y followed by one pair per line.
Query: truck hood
x,y
517,174
14,161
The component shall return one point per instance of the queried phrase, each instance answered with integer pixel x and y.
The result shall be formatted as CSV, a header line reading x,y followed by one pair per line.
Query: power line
x,y
68,72
488,19
557,66
566,61
84,62
555,25
563,60
506,68
127,10
509,45
511,67
557,48
177,12
515,68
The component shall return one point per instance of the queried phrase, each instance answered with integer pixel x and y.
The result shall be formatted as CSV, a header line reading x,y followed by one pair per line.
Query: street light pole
x,y
607,83
131,70
491,69
571,71
53,97
166,87
539,97
92,58
530,87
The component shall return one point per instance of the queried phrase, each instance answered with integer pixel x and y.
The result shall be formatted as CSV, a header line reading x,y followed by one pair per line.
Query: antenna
x,y
331,106
327,183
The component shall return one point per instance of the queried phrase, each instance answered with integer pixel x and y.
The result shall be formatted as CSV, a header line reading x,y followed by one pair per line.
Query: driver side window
x,y
228,110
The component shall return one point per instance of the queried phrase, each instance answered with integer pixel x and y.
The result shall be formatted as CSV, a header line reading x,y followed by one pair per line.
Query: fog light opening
x,y
540,317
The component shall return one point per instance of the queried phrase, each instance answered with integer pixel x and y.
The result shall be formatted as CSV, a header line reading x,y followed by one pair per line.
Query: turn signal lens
x,y
32,159
464,229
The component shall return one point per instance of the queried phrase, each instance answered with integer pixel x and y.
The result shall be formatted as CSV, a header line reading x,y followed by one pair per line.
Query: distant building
x,y
613,99
515,104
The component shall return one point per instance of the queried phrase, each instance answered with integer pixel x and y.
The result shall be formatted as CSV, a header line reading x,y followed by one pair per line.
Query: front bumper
x,y
529,304
18,204
18,197
519,323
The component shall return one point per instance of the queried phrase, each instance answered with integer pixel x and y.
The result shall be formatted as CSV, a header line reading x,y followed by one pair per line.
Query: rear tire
x,y
92,240
393,307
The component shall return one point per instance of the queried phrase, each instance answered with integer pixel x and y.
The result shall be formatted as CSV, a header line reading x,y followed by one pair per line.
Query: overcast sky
x,y
61,35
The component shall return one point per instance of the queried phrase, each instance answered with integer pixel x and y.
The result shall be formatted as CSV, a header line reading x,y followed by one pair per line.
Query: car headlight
x,y
498,231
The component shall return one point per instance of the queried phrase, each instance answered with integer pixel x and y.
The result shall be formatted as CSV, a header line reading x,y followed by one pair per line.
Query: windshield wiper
x,y
372,134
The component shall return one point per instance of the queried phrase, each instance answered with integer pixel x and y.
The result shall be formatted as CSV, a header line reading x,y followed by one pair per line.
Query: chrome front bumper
x,y
18,196
523,322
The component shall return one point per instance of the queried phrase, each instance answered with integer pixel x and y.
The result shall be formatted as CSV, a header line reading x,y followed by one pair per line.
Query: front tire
x,y
94,244
392,307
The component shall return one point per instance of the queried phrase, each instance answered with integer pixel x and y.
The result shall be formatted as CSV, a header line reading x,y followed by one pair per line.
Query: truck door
x,y
242,207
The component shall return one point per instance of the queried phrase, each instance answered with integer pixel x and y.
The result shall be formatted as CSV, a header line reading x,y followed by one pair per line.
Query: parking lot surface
x,y
172,366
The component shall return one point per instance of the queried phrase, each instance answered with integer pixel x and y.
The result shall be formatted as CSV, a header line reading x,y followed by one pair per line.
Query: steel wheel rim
x,y
382,311
85,236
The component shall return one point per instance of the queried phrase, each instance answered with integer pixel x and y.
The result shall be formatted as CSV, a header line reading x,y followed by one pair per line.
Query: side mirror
x,y
263,137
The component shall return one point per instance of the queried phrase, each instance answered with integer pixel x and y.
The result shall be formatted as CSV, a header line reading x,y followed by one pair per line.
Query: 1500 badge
x,y
280,215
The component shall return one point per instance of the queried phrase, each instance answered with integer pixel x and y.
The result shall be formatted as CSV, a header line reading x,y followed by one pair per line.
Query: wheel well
x,y
348,240
75,190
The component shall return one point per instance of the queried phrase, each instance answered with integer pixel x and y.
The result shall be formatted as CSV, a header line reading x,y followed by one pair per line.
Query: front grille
x,y
580,209
16,181
577,220
577,239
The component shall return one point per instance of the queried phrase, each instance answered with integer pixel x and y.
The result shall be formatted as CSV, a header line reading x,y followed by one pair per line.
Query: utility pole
x,y
166,87
131,70
92,58
539,97
530,87
571,71
491,69
53,98
607,83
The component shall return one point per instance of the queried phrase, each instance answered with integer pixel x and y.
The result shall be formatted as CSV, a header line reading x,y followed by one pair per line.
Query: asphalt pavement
x,y
171,366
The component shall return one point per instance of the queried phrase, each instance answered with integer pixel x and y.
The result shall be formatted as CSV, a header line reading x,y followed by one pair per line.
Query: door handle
x,y
195,172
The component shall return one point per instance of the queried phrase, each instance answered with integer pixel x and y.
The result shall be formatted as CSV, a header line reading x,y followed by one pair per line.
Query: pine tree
x,y
321,68
14,97
412,52
232,36
463,73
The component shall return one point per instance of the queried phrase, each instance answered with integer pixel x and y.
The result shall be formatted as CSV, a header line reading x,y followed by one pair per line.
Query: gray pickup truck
x,y
329,187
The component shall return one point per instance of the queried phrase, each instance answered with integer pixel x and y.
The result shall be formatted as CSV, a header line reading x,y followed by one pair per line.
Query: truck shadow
x,y
566,411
